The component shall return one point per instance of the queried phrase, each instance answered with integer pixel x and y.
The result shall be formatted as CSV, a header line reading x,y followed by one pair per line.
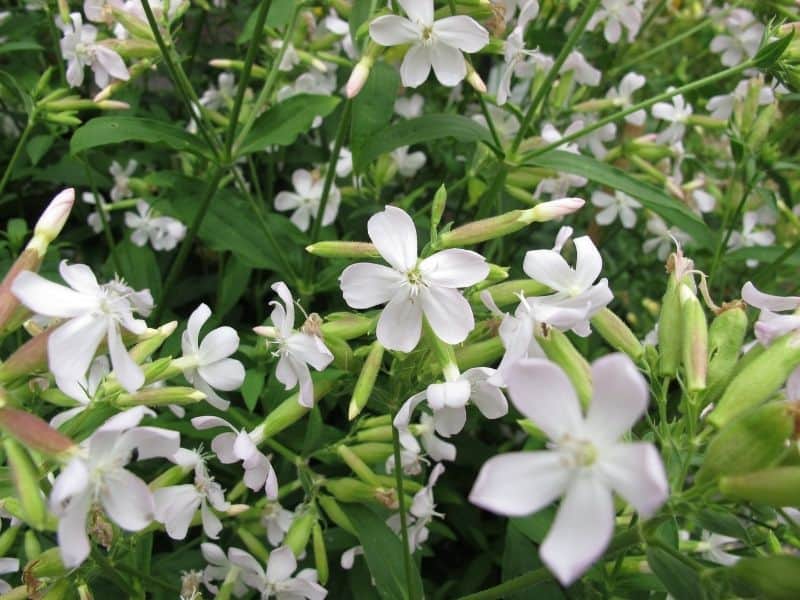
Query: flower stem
x,y
258,33
547,84
398,477
101,211
17,151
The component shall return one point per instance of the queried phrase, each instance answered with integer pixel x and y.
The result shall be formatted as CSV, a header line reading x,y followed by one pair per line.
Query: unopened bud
x,y
359,76
670,330
373,453
358,466
347,326
112,105
144,349
475,80
725,338
614,331
496,273
694,340
776,577
555,209
508,292
366,381
7,539
288,412
343,356
300,532
753,441
32,545
47,564
25,477
335,513
339,249
320,554
34,433
779,486
438,206
382,433
479,354
349,489
160,397
52,220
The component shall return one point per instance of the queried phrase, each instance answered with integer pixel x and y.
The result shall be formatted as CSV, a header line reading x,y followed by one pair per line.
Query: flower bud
x,y
438,206
614,331
254,545
754,440
496,273
347,326
694,340
340,249
775,577
320,554
555,209
759,379
475,80
300,532
725,337
382,433
7,539
779,486
32,545
480,353
366,380
348,489
358,466
343,356
63,10
28,358
670,330
508,292
761,126
359,76
53,218
161,396
144,349
25,477
172,476
335,513
559,349
288,412
34,433
373,452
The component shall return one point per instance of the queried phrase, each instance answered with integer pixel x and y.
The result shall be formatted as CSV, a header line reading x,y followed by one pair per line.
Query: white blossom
x,y
162,232
408,163
721,107
305,199
619,206
277,579
771,324
749,236
221,96
582,71
122,177
80,49
676,114
623,96
663,237
409,107
617,14
276,520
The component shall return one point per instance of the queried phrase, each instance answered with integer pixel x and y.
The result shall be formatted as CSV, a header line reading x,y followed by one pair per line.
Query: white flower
x,y
296,349
722,106
92,312
574,288
421,513
305,200
582,71
623,97
584,462
408,163
663,238
218,568
618,14
558,187
433,43
97,476
619,206
277,580
290,57
162,232
344,162
176,505
236,446
277,521
409,107
676,114
221,96
596,139
715,546
749,236
94,220
122,178
206,365
771,324
79,49
411,287
743,41
82,390
7,565
514,52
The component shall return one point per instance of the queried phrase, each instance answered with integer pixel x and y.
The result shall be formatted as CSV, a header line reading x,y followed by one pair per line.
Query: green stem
x,y
728,228
398,477
17,151
492,128
258,33
186,245
547,84
641,105
272,76
51,23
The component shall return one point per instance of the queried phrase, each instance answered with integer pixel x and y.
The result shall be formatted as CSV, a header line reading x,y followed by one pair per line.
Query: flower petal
x,y
281,564
218,344
365,285
620,398
127,500
759,299
541,391
450,421
550,268
190,340
462,32
581,531
448,312
50,299
400,324
448,63
520,483
394,235
636,473
73,542
454,268
588,263
71,347
392,30
129,374
226,374
175,506
416,66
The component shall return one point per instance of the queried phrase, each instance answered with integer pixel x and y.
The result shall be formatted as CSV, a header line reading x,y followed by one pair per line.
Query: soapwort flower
x,y
80,49
585,462
277,579
411,287
305,199
436,44
771,323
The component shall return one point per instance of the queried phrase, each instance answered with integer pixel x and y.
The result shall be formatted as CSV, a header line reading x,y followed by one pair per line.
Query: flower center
x,y
427,36
582,453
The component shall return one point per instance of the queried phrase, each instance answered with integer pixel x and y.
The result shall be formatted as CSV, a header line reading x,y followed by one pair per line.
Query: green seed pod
x,y
409,485
614,331
288,412
347,326
366,381
382,433
779,486
172,476
26,482
300,532
768,577
761,127
7,539
320,554
559,349
508,292
254,545
160,396
340,249
343,357
479,354
725,338
358,466
32,545
348,489
755,440
669,330
335,513
756,382
694,340
373,453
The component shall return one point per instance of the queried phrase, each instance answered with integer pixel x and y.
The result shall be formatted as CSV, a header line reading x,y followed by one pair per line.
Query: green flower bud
x,y
779,486
769,577
340,249
348,489
378,421
373,452
694,340
335,513
366,381
254,545
438,206
761,126
144,349
614,331
32,545
25,476
172,476
496,273
47,564
358,466
320,554
756,382
559,349
160,397
7,539
288,412
725,337
755,440
347,326
479,354
409,485
382,433
300,532
670,330
508,292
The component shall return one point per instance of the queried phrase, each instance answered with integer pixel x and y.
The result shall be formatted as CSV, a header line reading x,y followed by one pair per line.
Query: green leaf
x,y
21,46
358,14
139,267
680,580
374,106
38,146
232,285
384,553
102,131
252,386
282,123
421,129
521,556
7,81
652,198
